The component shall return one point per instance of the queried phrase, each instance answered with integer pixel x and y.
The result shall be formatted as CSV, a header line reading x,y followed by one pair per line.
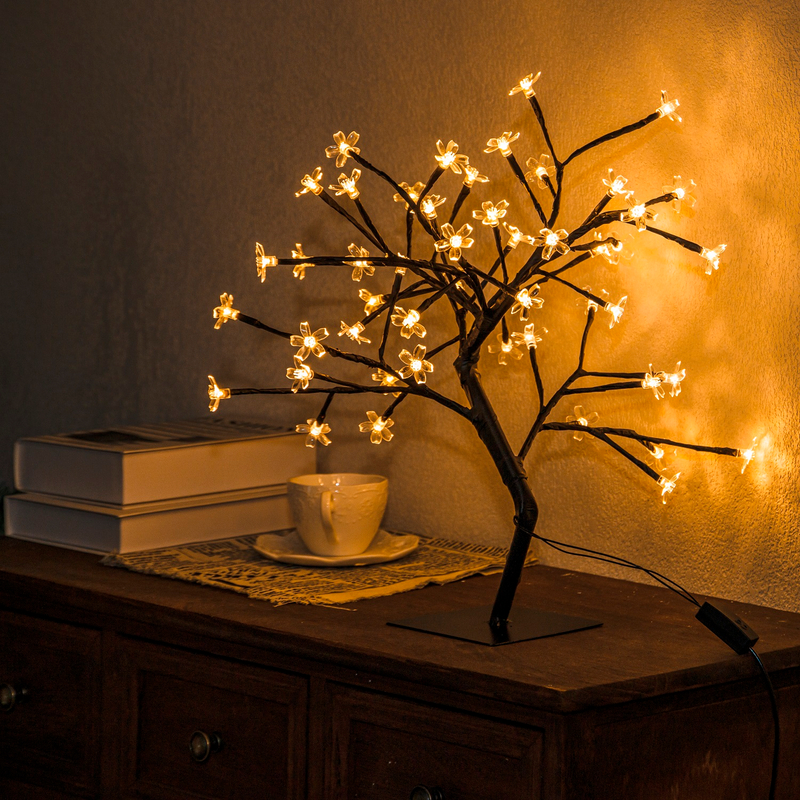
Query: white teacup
x,y
337,514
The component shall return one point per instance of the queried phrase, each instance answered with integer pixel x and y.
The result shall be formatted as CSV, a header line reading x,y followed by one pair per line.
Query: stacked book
x,y
147,486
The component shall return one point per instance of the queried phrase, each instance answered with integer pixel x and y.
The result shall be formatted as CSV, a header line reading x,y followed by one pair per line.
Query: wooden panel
x,y
12,790
259,714
383,747
691,749
51,738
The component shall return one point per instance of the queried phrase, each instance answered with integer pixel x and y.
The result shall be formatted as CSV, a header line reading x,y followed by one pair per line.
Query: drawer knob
x,y
10,696
202,745
424,793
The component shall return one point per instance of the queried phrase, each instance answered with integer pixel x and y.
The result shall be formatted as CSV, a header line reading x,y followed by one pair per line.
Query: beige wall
x,y
147,145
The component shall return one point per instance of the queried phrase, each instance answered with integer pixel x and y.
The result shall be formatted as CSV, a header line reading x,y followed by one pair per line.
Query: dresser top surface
x,y
648,645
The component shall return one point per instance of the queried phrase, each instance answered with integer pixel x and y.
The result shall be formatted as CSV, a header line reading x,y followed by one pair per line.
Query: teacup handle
x,y
326,508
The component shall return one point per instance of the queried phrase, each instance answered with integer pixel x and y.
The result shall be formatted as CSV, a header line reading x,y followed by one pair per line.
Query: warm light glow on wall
x,y
487,303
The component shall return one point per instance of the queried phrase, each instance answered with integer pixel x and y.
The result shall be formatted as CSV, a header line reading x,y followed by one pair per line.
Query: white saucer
x,y
289,549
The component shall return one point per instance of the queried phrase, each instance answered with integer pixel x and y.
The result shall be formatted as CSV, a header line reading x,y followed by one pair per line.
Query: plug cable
x,y
726,625
776,723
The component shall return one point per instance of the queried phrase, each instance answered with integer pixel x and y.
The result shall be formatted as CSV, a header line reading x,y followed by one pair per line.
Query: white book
x,y
105,528
146,463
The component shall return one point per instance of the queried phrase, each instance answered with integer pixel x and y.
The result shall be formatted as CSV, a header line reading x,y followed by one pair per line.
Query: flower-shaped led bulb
x,y
472,175
655,454
309,342
412,191
450,158
377,428
299,270
668,485
502,143
408,322
263,262
582,418
654,380
386,379
526,85
360,268
311,183
491,214
541,171
429,204
615,310
638,213
216,393
668,108
347,185
316,431
529,336
681,192
300,374
454,241
615,185
552,242
416,365
371,301
712,257
609,247
342,148
749,454
506,348
354,332
673,380
515,236
224,311
525,301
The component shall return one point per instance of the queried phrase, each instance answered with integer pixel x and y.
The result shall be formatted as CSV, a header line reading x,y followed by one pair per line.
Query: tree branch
x,y
537,376
324,196
607,387
367,219
517,170
462,196
537,110
545,410
642,439
359,159
634,126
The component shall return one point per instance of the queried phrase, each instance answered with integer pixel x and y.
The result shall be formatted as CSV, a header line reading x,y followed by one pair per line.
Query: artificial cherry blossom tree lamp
x,y
492,308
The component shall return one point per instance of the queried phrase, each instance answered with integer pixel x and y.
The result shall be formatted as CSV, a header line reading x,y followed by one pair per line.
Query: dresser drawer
x,y
50,697
383,747
204,727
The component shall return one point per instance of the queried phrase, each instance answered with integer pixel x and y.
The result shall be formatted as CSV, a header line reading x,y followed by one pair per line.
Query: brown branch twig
x,y
547,408
634,126
517,170
627,433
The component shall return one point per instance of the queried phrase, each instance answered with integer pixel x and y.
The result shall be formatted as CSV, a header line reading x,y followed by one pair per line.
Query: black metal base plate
x,y
472,625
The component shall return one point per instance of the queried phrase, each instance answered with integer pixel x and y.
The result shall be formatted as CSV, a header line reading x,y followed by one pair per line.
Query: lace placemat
x,y
234,564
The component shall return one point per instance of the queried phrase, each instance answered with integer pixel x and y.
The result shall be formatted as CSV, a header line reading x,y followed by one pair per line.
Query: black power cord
x,y
776,723
723,622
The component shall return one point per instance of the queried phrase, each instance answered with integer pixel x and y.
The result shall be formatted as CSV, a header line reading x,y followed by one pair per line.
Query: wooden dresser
x,y
129,686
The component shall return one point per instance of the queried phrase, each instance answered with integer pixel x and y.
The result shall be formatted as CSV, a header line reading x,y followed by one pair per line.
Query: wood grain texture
x,y
648,707
384,747
54,734
260,716
13,790
649,643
